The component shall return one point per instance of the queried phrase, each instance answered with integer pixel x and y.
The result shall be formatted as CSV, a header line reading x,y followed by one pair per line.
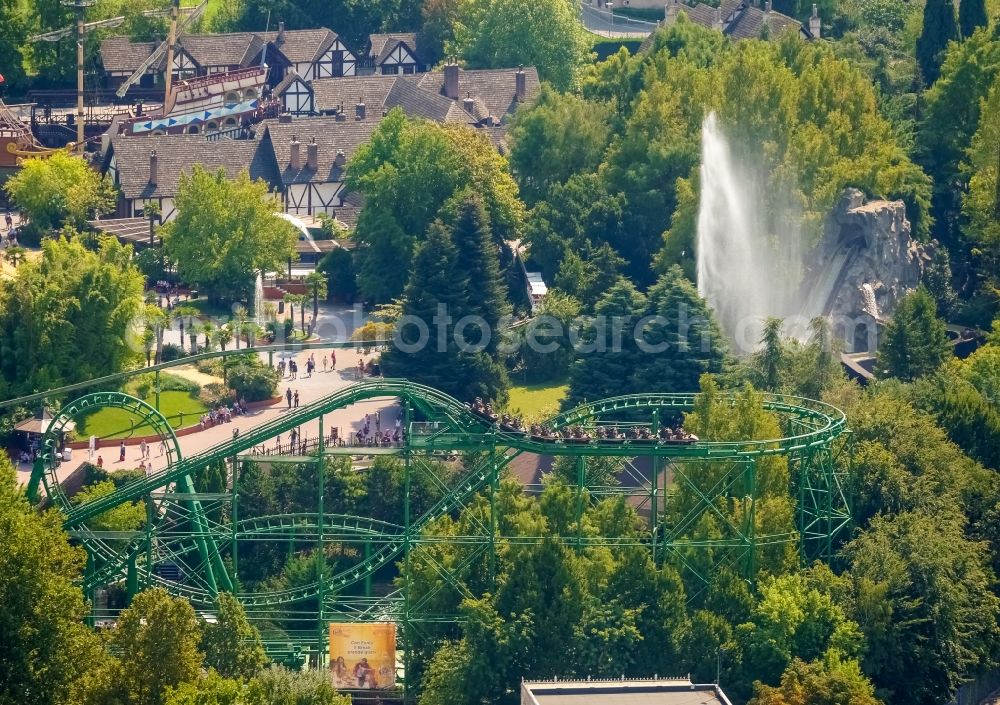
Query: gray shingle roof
x,y
120,54
749,24
494,87
331,136
741,20
417,102
381,45
330,93
177,153
237,49
302,46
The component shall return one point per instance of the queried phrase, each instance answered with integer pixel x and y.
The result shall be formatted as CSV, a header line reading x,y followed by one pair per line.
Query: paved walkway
x,y
334,323
310,389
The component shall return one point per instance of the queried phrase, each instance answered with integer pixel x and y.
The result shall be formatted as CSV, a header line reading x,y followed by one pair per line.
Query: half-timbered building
x,y
312,156
395,54
148,169
308,53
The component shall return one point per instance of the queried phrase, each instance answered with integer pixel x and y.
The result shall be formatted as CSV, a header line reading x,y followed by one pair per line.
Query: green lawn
x,y
117,423
537,401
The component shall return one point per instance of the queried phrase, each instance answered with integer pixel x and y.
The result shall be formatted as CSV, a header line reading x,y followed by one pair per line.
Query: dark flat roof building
x,y
672,691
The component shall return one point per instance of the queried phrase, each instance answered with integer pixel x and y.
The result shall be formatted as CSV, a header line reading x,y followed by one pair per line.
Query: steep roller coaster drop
x,y
184,531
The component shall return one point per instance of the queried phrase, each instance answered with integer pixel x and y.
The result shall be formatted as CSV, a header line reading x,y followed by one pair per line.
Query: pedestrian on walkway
x,y
378,420
100,461
121,453
333,360
361,368
142,449
163,448
296,398
288,396
324,363
277,443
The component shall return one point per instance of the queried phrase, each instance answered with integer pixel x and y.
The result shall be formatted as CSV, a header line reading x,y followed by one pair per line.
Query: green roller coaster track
x,y
188,532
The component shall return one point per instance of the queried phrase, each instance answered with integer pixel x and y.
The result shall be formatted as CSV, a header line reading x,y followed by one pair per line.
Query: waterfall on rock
x,y
746,271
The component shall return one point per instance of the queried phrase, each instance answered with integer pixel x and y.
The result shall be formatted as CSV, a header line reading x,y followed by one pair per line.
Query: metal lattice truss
x,y
698,501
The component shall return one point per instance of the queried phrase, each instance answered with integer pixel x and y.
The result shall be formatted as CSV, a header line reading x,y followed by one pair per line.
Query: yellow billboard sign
x,y
363,655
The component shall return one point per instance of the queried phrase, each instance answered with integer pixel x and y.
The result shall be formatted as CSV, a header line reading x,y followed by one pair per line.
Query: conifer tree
x,y
971,15
915,343
939,29
436,296
683,338
478,261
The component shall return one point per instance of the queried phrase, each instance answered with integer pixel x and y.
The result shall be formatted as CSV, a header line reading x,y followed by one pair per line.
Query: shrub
x,y
253,382
171,352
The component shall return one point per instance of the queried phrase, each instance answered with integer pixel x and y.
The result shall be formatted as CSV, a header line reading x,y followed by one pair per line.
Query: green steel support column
x,y
234,517
37,471
321,549
270,359
827,470
407,629
131,579
752,521
654,486
149,543
800,514
494,473
186,486
581,482
368,575
156,389
88,580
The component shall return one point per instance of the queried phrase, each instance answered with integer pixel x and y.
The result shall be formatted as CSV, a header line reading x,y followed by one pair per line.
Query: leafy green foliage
x,y
46,648
128,516
225,233
58,190
546,34
942,616
68,317
157,637
832,680
971,16
981,203
231,644
430,347
409,172
342,282
661,342
915,343
939,28
278,686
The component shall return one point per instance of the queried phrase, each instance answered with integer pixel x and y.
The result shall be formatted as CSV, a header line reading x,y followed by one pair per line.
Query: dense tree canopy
x,y
546,34
408,173
68,316
45,647
58,190
225,233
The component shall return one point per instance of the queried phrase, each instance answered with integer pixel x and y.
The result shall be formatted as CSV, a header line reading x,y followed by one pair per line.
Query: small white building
x,y
537,289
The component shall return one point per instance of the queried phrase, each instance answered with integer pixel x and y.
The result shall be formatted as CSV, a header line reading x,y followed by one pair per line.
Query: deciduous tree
x,y
225,233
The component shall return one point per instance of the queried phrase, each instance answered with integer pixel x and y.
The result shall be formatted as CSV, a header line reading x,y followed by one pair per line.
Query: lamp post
x,y
79,7
611,9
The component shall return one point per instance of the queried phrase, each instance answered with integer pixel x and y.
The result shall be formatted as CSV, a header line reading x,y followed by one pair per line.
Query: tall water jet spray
x,y
744,272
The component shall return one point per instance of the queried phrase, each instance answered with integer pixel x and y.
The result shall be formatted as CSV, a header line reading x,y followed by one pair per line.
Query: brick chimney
x,y
520,84
468,103
285,118
341,158
717,24
312,154
281,33
671,10
153,160
295,157
767,12
359,110
814,23
451,80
